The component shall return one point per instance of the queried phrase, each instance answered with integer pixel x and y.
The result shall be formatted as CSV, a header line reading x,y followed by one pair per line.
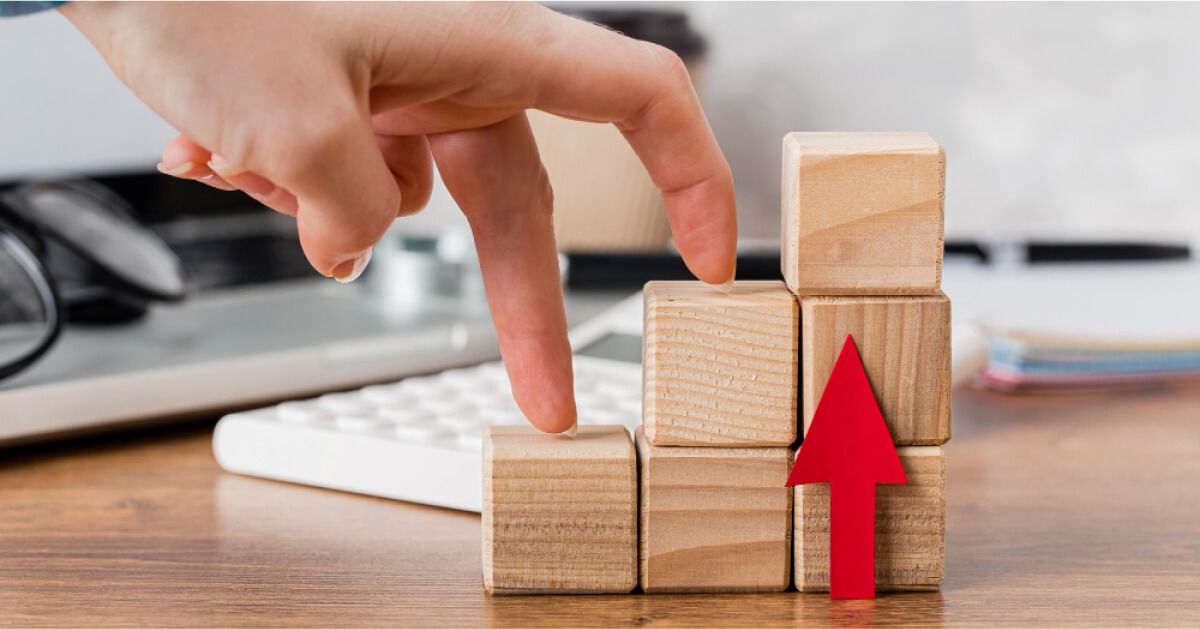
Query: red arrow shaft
x,y
852,540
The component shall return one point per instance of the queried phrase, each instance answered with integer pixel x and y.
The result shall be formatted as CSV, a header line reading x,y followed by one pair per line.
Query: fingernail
x,y
259,192
219,184
351,269
222,167
183,171
571,432
724,287
258,187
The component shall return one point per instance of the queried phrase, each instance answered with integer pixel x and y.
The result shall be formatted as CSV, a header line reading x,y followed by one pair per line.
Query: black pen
x,y
1055,252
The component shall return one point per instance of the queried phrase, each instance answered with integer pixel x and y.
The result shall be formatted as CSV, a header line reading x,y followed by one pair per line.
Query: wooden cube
x,y
719,369
904,343
910,528
714,519
559,515
862,213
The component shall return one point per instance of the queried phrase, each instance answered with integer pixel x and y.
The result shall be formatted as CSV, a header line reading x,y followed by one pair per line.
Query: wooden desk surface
x,y
1067,510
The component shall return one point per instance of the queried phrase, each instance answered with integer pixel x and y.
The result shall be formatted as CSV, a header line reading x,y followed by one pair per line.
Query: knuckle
x,y
668,83
670,65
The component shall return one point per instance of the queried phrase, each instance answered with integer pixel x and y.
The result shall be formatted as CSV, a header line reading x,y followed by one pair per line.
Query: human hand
x,y
335,112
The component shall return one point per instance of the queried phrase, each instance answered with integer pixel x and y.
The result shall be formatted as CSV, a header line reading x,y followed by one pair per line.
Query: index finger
x,y
589,73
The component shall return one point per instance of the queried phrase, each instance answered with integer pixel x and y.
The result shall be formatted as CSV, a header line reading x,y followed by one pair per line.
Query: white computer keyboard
x,y
418,440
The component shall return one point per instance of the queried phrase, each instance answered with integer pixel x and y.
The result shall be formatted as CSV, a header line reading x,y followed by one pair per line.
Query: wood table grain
x,y
1073,510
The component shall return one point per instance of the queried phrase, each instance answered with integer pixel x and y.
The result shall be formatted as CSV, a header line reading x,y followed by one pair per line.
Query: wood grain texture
x,y
1070,511
910,528
714,519
862,213
559,515
719,369
904,343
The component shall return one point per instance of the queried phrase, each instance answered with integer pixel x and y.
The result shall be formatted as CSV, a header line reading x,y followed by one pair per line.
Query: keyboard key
x,y
302,413
501,410
504,417
360,423
425,387
464,423
406,414
460,378
498,377
346,404
387,394
501,405
422,433
447,406
483,388
486,398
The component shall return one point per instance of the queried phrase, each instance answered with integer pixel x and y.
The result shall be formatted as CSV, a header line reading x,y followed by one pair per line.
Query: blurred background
x,y
1060,120
1070,133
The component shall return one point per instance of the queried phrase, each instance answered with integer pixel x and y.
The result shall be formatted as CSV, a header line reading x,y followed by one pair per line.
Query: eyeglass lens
x,y
25,316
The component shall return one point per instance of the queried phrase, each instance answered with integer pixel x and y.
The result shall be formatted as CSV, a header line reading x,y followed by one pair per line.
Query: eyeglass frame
x,y
43,282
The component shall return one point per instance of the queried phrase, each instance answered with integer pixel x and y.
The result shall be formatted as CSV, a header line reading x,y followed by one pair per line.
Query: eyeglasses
x,y
72,250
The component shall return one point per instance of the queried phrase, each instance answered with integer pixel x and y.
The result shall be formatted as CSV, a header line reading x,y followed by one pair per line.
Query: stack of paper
x,y
1083,325
1017,363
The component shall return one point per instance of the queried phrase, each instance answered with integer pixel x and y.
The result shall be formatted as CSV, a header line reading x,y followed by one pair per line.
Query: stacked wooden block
x,y
697,501
862,221
719,409
559,515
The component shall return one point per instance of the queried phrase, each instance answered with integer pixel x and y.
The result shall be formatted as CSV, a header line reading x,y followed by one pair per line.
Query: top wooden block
x,y
862,213
719,369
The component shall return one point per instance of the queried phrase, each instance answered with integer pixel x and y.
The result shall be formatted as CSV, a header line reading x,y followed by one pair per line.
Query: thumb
x,y
347,197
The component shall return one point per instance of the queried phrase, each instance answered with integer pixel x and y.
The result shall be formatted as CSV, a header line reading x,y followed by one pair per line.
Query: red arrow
x,y
849,447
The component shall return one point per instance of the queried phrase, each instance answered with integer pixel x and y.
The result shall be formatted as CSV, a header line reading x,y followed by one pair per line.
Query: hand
x,y
334,113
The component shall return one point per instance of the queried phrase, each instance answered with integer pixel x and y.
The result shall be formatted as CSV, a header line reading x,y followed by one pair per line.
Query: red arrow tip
x,y
848,439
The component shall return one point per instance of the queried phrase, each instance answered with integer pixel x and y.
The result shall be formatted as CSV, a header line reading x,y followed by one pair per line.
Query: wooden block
x,y
559,515
719,369
905,347
910,528
714,519
862,213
